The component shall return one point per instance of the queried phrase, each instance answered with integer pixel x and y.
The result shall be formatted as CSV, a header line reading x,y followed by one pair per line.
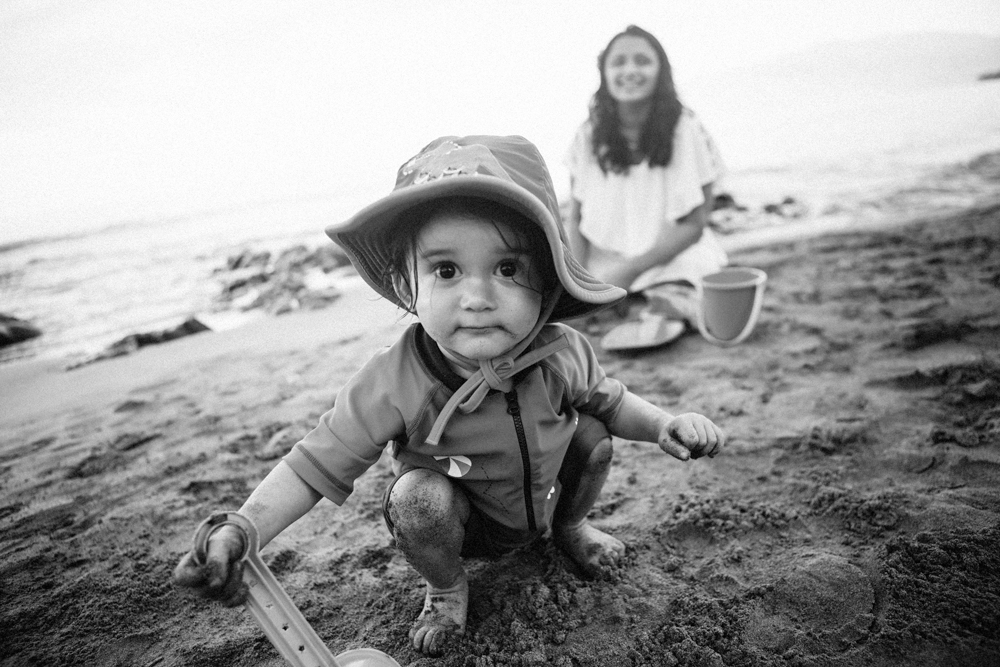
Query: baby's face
x,y
476,296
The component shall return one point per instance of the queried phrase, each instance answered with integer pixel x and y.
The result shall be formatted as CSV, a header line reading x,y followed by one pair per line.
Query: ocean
x,y
902,153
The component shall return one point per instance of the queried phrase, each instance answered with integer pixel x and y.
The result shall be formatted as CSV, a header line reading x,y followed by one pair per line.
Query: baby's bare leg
x,y
429,514
592,549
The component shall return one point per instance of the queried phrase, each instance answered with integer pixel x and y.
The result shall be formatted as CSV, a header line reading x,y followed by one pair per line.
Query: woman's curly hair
x,y
657,139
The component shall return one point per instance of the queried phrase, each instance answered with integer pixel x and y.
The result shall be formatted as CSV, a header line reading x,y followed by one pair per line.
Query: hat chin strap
x,y
496,373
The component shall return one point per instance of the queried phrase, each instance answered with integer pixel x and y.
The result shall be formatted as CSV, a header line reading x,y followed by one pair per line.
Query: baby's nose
x,y
478,294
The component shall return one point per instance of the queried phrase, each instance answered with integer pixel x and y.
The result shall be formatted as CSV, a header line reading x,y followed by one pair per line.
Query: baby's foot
x,y
593,550
443,617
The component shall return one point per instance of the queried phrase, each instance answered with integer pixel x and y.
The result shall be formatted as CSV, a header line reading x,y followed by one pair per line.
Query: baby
x,y
498,420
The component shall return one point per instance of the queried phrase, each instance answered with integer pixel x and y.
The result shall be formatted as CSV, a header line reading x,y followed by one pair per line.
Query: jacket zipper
x,y
514,410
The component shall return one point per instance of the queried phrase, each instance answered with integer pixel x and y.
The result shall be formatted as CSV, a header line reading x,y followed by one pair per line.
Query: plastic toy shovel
x,y
274,611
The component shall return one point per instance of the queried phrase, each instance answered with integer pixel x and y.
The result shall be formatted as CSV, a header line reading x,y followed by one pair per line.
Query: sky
x,y
113,111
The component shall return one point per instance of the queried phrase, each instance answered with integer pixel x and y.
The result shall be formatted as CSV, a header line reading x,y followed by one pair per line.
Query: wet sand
x,y
853,520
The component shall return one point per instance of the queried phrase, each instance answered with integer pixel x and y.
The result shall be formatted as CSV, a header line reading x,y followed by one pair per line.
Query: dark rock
x,y
133,342
293,280
247,259
788,208
724,200
728,216
14,330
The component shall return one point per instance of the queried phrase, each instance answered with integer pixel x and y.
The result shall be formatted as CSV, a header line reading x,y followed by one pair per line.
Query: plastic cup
x,y
729,304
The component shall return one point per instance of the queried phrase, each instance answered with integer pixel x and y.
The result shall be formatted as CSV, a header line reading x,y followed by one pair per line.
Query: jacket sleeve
x,y
589,389
350,437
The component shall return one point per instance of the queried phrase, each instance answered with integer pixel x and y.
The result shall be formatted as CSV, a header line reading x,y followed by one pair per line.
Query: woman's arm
x,y
672,241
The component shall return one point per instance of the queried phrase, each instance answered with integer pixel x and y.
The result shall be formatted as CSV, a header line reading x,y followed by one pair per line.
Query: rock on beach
x,y
15,330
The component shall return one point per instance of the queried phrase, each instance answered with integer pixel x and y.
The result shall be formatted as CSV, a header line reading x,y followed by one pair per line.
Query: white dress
x,y
621,214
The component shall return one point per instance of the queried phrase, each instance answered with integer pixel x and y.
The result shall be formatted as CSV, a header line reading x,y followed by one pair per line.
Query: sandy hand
x,y
443,617
220,576
593,550
691,435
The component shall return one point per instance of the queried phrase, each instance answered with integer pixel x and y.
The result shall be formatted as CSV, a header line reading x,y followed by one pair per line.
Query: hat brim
x,y
361,236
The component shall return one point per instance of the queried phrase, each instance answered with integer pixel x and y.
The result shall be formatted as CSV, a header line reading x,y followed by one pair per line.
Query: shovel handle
x,y
268,603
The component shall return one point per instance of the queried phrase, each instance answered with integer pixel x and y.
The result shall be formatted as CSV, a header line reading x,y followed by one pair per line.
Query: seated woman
x,y
642,169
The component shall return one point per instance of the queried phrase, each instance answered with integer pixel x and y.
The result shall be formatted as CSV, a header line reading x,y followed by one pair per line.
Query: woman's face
x,y
631,69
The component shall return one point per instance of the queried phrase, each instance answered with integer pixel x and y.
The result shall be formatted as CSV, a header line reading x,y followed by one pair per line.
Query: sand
x,y
854,518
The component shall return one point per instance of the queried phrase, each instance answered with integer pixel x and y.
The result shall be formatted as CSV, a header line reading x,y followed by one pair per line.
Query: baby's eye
x,y
508,268
446,271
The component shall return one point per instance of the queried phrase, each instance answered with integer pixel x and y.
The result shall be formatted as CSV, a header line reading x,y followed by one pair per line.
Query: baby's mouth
x,y
481,329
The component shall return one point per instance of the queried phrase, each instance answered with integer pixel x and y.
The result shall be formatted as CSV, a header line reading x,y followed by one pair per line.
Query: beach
x,y
853,519
169,171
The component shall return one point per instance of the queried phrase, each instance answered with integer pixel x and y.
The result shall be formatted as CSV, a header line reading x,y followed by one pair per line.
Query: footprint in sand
x,y
822,596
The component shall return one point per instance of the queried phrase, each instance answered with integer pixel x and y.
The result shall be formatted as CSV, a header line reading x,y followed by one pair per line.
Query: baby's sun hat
x,y
507,170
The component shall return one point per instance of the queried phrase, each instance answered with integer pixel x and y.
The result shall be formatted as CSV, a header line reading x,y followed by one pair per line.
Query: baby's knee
x,y
592,437
600,457
422,499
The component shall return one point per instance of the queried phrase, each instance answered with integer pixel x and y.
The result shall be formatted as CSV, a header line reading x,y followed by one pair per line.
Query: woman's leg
x,y
428,514
674,301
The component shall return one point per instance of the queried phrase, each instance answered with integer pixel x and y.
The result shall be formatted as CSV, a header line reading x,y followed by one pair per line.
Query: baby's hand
x,y
691,435
220,576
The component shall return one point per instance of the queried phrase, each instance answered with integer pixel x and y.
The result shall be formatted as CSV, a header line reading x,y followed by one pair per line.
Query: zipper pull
x,y
512,407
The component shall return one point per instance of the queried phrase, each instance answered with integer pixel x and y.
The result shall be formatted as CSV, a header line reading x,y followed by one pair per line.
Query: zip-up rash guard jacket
x,y
505,456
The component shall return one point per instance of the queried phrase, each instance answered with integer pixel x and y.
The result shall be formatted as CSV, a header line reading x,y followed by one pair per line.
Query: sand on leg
x,y
429,514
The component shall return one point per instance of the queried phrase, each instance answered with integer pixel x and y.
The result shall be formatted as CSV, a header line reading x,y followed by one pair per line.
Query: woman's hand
x,y
672,239
691,435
